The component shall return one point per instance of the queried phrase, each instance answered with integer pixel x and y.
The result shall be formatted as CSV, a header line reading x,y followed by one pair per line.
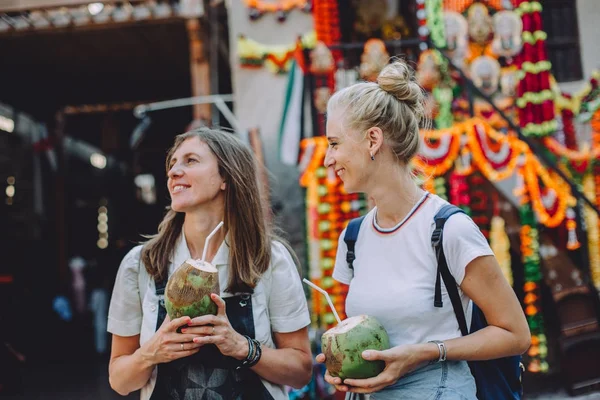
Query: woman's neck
x,y
196,228
395,195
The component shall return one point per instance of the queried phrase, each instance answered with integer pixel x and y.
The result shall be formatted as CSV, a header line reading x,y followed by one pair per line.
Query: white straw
x,y
208,239
326,296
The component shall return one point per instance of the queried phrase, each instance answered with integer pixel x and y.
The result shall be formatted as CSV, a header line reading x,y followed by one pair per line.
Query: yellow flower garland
x,y
501,247
591,221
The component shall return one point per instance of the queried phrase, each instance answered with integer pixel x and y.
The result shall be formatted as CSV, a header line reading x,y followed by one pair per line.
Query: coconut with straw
x,y
189,288
344,344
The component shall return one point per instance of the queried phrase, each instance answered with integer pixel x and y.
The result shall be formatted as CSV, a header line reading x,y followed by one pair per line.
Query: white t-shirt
x,y
278,301
395,271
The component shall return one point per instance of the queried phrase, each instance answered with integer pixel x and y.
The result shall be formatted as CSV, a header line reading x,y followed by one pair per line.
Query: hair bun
x,y
398,79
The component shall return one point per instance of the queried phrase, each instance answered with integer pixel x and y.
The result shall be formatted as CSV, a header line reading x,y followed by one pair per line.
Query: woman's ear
x,y
223,186
375,140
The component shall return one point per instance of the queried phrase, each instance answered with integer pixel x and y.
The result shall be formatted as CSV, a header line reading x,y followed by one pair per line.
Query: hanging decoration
x,y
474,144
422,30
327,22
434,13
281,8
329,207
536,355
479,203
532,172
321,59
439,187
535,102
500,245
327,27
428,73
480,24
432,75
459,192
591,222
568,128
482,40
443,98
572,241
376,19
277,58
460,6
373,59
574,101
594,238
457,37
508,30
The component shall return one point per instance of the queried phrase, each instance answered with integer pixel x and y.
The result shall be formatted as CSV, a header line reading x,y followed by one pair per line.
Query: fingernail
x,y
184,330
366,354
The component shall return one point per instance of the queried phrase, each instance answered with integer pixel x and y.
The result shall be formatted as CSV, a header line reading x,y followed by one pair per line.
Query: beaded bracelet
x,y
254,353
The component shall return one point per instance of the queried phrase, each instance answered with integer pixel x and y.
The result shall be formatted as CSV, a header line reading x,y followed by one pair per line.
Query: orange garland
x,y
480,160
532,170
285,5
461,5
572,155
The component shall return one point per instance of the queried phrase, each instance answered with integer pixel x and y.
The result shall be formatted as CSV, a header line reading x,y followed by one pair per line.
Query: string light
x,y
102,226
10,190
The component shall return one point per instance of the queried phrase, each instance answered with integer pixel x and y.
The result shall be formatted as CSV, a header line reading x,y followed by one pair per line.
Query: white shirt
x,y
395,271
278,302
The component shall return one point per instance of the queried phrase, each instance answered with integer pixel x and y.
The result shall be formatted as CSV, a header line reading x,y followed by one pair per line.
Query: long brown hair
x,y
249,236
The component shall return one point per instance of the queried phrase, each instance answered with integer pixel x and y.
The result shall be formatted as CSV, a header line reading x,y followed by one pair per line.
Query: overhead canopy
x,y
25,5
28,5
134,62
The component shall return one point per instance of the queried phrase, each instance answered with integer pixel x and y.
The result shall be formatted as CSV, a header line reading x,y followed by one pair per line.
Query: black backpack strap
x,y
350,239
442,267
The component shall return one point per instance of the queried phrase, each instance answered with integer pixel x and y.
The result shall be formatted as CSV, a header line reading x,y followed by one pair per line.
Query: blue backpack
x,y
498,379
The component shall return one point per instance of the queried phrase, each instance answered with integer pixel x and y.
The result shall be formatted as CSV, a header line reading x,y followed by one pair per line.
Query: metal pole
x,y
61,196
213,59
140,110
220,103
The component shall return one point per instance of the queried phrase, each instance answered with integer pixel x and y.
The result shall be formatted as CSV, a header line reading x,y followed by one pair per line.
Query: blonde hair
x,y
395,104
249,235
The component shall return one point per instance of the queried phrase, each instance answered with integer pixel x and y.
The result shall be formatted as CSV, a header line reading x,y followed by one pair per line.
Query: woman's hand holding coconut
x,y
399,361
217,330
167,344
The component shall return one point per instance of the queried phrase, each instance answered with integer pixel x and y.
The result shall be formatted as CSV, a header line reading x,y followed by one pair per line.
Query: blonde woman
x,y
373,133
258,341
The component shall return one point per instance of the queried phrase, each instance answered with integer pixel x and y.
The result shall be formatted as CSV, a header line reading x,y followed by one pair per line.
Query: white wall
x,y
588,19
259,96
259,93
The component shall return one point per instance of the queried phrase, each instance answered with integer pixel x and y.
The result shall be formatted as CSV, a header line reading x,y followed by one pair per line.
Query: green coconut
x,y
343,346
189,288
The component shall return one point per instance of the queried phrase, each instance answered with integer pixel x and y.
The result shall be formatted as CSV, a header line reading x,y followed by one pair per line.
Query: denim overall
x,y
208,374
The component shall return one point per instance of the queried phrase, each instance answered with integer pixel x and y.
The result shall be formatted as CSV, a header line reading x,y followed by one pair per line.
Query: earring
x,y
372,157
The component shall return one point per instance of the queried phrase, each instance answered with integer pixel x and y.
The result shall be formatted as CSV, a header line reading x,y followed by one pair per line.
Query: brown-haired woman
x,y
373,133
258,341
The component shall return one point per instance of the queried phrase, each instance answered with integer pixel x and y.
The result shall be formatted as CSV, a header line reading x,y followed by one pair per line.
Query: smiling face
x,y
347,154
193,177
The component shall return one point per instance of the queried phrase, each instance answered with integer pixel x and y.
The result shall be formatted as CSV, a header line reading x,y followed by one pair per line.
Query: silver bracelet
x,y
442,348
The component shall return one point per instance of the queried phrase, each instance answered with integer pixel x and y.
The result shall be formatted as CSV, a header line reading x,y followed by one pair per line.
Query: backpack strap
x,y
442,267
350,239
